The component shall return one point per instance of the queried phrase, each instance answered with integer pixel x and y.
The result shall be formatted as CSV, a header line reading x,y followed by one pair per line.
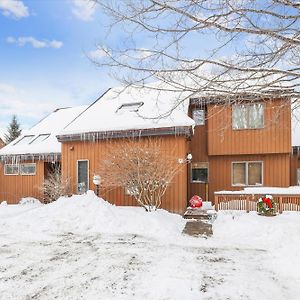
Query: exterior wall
x,y
175,199
15,187
275,137
276,171
295,164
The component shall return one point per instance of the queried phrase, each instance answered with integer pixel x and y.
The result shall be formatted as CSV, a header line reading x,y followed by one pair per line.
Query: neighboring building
x,y
2,138
26,162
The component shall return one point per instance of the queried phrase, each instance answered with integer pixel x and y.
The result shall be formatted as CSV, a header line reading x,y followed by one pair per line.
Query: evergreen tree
x,y
13,130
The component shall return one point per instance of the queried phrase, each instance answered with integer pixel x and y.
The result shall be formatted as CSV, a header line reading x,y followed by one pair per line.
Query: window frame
x,y
248,105
247,172
191,172
198,109
39,135
22,138
14,174
27,174
88,174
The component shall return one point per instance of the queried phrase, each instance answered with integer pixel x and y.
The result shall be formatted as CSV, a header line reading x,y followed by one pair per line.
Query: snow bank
x,y
84,214
292,190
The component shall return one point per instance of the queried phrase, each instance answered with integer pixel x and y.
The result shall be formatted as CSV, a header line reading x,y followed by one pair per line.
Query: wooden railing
x,y
248,202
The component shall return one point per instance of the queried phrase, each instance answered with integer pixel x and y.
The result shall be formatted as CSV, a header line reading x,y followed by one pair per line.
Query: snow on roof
x,y
41,138
296,126
131,108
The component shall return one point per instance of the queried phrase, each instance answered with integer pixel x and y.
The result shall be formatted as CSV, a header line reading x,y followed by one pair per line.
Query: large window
x,y
82,176
248,116
28,169
11,169
199,116
199,172
247,173
298,176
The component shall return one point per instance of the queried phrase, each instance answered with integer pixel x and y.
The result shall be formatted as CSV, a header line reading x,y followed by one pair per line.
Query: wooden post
x,y
280,205
216,202
247,203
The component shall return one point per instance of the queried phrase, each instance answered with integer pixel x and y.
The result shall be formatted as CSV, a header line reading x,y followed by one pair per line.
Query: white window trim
x,y
248,128
199,181
6,174
247,162
201,109
27,174
88,173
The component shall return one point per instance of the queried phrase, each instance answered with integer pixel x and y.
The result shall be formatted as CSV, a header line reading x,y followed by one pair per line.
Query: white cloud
x,y
97,54
83,9
14,8
35,43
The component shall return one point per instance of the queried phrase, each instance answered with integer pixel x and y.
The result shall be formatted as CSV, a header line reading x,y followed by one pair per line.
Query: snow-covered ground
x,y
84,248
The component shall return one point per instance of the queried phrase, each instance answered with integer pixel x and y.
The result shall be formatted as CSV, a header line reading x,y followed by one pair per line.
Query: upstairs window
x,y
40,138
131,107
11,169
247,173
199,116
24,140
248,116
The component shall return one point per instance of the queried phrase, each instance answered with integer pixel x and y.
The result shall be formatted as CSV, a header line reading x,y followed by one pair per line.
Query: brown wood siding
x,y
276,171
295,164
275,137
175,198
15,187
198,148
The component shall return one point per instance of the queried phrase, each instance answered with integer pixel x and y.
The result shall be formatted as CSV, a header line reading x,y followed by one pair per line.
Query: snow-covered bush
x,y
29,200
54,186
143,168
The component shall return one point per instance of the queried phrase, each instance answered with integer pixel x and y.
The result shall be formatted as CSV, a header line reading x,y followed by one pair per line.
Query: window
x,y
298,176
132,107
40,138
247,173
11,169
24,140
82,176
248,116
199,116
28,169
199,172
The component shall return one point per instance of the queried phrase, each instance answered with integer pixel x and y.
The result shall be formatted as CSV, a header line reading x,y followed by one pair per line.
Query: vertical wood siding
x,y
275,137
276,171
175,198
15,187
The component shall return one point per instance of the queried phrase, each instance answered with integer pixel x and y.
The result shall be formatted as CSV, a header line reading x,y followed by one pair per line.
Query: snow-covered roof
x,y
296,126
41,138
131,108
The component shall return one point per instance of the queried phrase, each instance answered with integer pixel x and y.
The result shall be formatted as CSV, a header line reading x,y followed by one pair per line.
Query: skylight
x,y
24,140
40,138
132,107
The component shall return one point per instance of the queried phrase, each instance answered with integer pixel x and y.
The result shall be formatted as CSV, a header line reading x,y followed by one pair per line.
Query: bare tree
x,y
143,168
241,45
54,186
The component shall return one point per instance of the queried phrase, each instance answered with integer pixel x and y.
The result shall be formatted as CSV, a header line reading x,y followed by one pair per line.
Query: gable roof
x,y
51,125
132,108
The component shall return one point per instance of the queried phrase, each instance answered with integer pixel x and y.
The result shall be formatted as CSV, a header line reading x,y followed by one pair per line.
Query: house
x,y
116,116
234,144
27,161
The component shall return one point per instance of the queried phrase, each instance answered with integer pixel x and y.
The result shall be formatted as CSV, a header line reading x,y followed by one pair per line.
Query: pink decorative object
x,y
196,202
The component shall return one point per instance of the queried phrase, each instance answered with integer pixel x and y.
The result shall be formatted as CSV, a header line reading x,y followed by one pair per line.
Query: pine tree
x,y
13,130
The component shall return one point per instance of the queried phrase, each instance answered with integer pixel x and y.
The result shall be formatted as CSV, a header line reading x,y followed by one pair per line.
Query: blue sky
x,y
43,63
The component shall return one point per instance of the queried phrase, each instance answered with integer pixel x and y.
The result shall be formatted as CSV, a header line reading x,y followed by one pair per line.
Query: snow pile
x,y
29,200
292,190
84,214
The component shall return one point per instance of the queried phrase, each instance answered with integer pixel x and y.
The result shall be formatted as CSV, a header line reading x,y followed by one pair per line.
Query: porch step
x,y
197,228
200,214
